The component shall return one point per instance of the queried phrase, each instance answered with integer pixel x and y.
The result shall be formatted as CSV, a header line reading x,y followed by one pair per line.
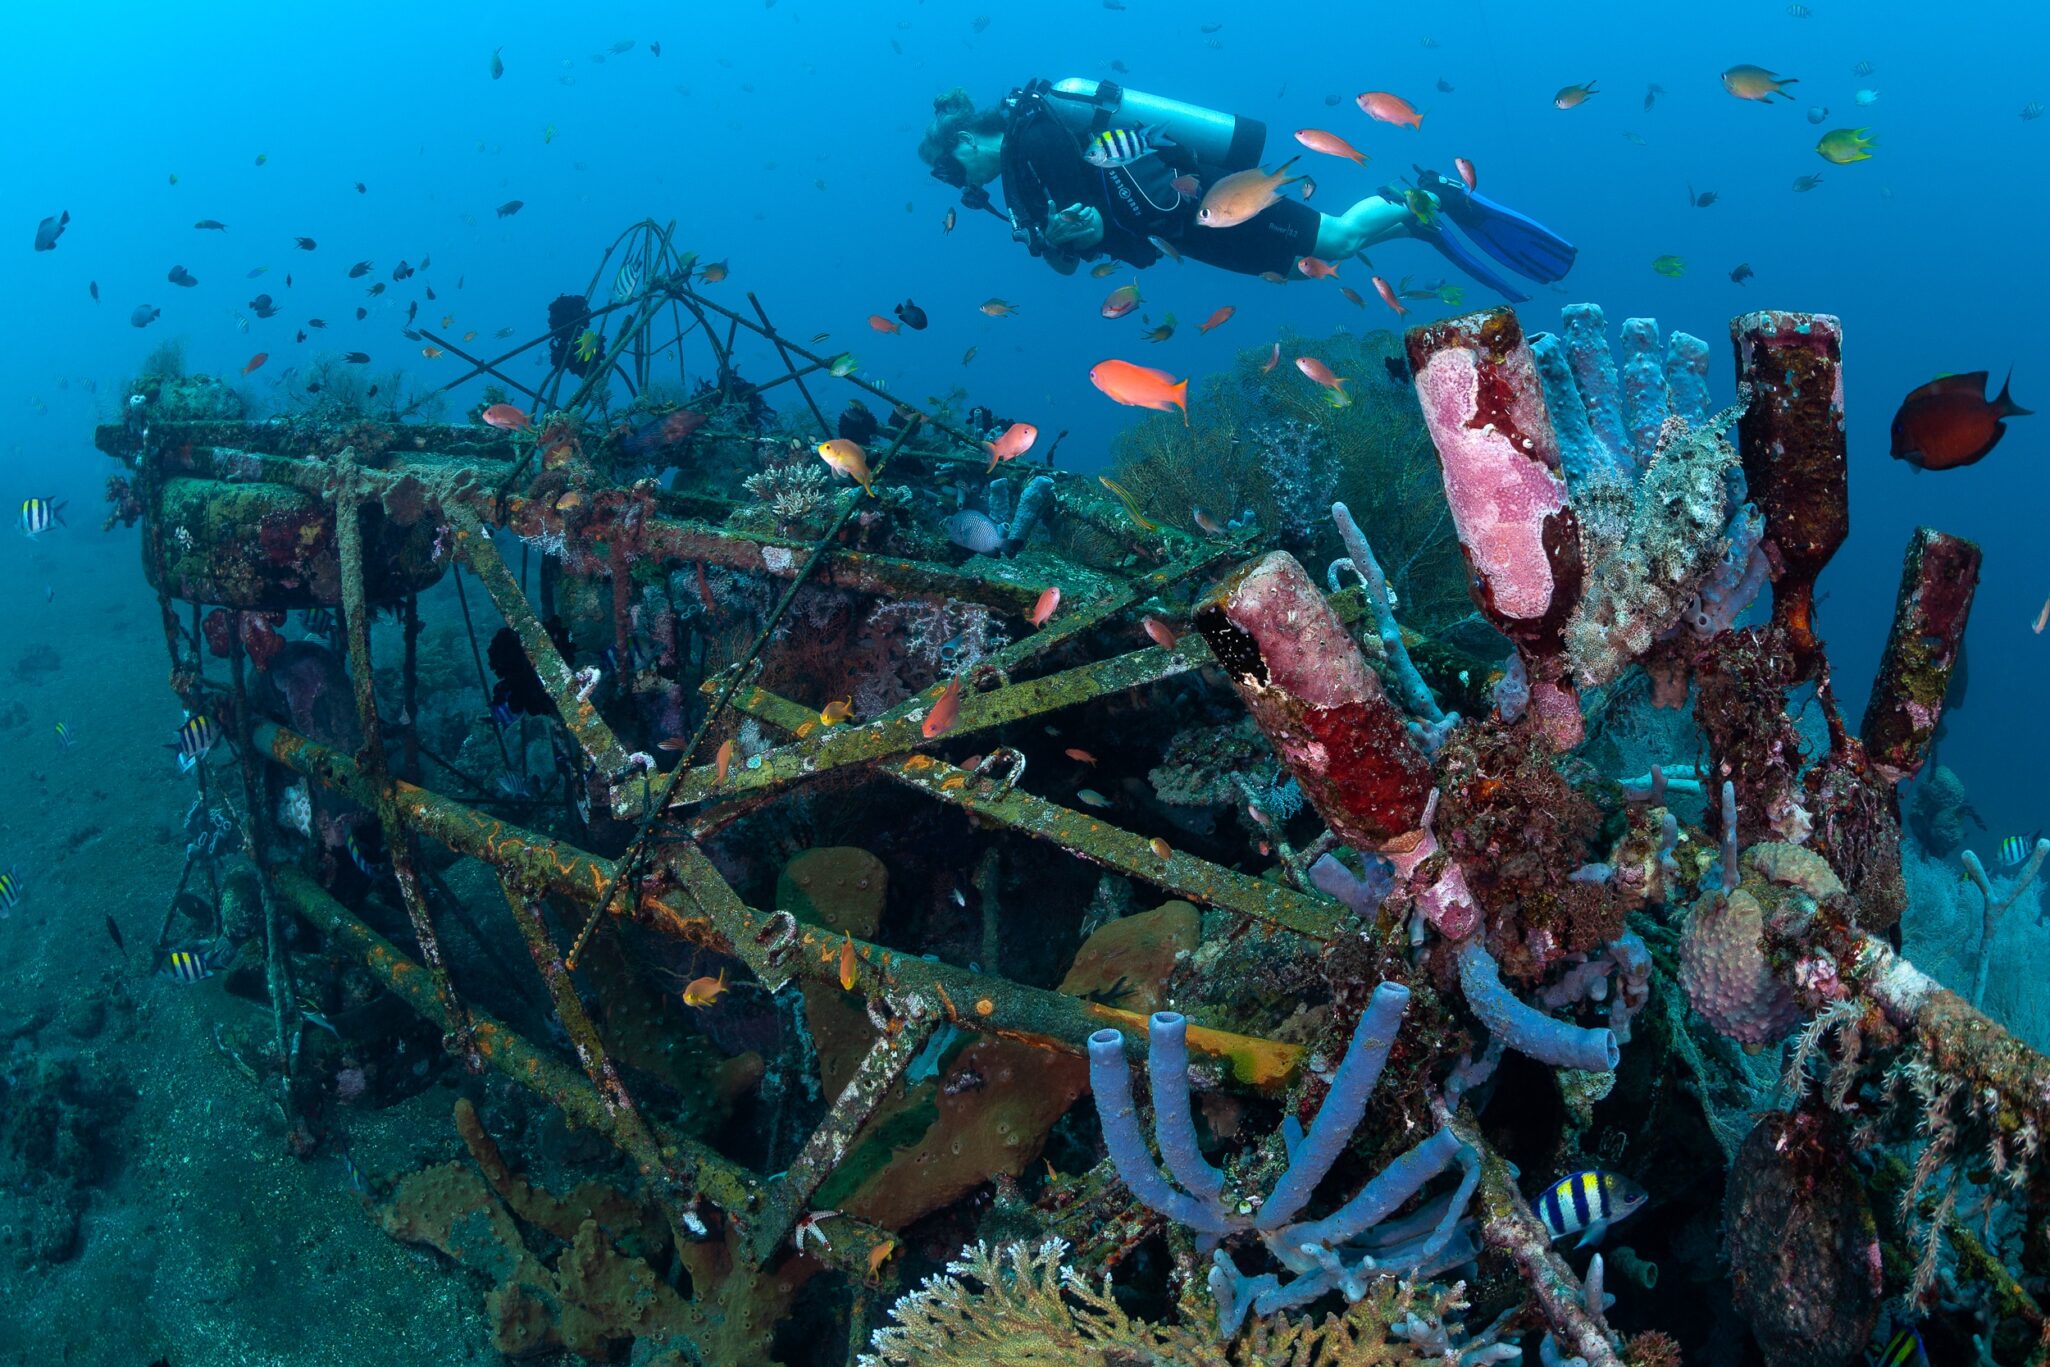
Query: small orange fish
x,y
1217,319
1466,172
1379,104
506,418
1141,386
1273,360
712,274
882,324
849,459
254,361
432,353
705,597
1160,847
945,710
1016,441
1049,599
2043,617
702,992
569,502
1313,268
1319,372
836,712
1573,96
1387,293
846,962
997,308
1186,185
724,759
1163,635
880,1254
1317,140
1081,756
1243,196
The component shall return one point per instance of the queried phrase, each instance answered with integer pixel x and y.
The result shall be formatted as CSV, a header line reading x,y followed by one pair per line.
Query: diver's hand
x,y
1076,228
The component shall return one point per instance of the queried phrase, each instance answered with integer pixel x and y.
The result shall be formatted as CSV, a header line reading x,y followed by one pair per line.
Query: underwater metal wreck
x,y
1442,961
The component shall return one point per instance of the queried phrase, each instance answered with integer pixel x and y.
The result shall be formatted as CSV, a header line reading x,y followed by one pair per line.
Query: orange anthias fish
x,y
1273,360
1317,140
1319,372
1388,296
1948,423
1016,441
1217,319
506,418
846,961
1749,82
849,459
1243,195
1315,268
723,761
1573,96
702,992
1162,634
1379,104
1049,599
882,324
1139,386
254,361
945,710
1466,172
1080,756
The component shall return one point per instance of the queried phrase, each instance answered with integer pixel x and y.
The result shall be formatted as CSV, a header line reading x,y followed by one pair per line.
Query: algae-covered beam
x,y
1085,836
975,1001
571,697
1939,575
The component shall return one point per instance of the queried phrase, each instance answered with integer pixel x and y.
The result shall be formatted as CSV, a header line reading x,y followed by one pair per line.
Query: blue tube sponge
x,y
1687,378
1375,1201
1174,1125
1594,373
1644,386
1110,1077
1035,507
1524,1028
1343,1106
1582,455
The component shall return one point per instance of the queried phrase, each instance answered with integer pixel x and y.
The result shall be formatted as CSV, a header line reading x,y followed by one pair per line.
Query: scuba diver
x,y
1091,168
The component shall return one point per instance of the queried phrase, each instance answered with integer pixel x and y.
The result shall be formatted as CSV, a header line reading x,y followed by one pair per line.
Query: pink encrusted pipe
x,y
1791,437
1485,408
1939,575
1311,692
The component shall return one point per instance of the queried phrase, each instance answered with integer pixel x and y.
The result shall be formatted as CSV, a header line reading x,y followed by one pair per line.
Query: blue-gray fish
x,y
143,315
38,513
975,531
1587,1203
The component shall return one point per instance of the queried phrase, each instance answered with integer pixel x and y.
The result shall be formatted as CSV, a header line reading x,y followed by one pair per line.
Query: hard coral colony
x,y
1422,990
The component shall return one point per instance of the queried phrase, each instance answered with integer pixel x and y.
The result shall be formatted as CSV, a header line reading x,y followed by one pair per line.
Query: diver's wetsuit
x,y
1044,171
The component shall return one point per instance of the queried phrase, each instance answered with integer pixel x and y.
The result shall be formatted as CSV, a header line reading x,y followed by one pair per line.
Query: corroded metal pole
x,y
1939,575
1303,679
1485,407
1791,437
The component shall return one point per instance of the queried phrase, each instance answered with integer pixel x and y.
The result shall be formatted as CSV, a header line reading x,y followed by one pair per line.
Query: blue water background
x,y
781,137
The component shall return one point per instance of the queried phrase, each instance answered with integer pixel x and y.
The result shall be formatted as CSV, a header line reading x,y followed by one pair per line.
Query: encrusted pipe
x,y
1730,874
1791,437
1482,401
1167,1070
1343,1106
1310,691
1526,1029
1110,1078
1939,575
1415,693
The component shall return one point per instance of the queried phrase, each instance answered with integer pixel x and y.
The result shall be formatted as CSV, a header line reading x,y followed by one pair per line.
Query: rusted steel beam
x,y
974,1001
572,703
397,840
1939,575
1084,836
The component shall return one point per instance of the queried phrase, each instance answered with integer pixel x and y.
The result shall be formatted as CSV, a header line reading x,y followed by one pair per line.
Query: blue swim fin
x,y
1519,242
1453,249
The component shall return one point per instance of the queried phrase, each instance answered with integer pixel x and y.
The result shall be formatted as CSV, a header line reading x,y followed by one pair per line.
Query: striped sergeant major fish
x,y
1587,1203
2016,849
193,966
64,737
10,892
196,736
1904,1349
38,513
1123,146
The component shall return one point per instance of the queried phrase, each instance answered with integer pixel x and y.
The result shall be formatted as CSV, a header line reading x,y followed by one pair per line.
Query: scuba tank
x,y
1221,142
